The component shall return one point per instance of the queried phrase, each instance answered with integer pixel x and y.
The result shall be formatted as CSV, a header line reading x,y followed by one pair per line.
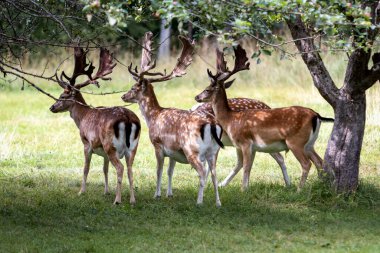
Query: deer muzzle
x,y
197,98
127,98
52,108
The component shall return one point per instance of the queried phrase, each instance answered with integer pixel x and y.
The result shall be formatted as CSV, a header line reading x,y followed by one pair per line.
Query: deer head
x,y
145,77
219,80
71,90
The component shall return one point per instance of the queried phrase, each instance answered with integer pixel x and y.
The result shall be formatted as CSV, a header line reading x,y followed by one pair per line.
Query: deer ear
x,y
228,84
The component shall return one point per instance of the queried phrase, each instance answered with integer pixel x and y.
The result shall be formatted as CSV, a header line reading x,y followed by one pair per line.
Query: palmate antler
x,y
106,66
223,73
183,61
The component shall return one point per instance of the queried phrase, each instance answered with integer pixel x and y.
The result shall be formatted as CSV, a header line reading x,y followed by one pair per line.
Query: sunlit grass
x,y
41,167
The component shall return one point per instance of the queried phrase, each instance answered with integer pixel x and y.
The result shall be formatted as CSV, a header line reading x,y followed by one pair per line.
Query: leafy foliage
x,y
132,17
336,21
30,26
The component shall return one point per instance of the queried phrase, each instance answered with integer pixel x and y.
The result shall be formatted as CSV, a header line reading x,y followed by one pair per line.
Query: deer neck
x,y
220,106
79,109
149,105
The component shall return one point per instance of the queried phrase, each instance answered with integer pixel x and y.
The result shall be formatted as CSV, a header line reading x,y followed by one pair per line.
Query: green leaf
x,y
256,54
266,52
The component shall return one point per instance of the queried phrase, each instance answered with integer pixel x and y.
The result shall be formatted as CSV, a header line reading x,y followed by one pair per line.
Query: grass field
x,y
41,169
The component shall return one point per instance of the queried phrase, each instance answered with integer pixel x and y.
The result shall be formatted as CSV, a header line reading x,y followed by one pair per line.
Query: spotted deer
x,y
181,135
237,105
292,128
112,133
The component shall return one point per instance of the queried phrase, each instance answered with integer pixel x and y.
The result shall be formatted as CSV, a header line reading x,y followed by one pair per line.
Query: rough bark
x,y
342,156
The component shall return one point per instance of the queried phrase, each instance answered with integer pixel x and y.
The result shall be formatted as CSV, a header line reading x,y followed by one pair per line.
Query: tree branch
x,y
356,72
321,77
358,77
55,18
373,75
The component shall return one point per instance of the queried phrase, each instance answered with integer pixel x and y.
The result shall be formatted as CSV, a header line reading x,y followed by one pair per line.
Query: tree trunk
x,y
164,49
342,156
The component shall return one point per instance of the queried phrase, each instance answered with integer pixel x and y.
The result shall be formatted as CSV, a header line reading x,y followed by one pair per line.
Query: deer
x,y
112,132
241,104
292,128
181,135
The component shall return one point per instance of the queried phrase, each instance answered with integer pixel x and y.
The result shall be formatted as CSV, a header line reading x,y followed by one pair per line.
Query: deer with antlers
x,y
181,135
112,133
237,105
264,130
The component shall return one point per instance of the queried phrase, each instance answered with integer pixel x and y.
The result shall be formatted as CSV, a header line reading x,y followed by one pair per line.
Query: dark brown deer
x,y
267,130
181,135
237,105
112,133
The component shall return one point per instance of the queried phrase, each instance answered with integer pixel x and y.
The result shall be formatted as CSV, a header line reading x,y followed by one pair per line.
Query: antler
x,y
79,67
146,59
221,64
223,73
105,64
105,68
241,63
135,73
183,61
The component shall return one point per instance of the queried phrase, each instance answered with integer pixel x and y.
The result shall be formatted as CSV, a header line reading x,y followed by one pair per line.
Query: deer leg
x,y
212,166
86,169
106,163
299,153
119,171
237,168
317,160
199,167
171,166
207,171
248,157
129,158
160,163
280,160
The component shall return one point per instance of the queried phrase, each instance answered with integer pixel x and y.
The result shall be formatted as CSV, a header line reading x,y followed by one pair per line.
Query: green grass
x,y
41,168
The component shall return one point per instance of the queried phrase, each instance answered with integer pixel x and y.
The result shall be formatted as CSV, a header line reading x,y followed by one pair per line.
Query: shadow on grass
x,y
31,207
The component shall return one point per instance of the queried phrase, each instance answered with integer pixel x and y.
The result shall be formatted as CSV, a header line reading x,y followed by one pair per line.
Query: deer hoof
x,y
117,202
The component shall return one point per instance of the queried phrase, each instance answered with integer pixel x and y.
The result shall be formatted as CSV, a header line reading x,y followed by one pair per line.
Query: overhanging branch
x,y
321,77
